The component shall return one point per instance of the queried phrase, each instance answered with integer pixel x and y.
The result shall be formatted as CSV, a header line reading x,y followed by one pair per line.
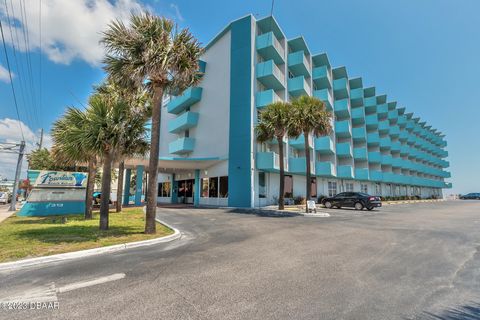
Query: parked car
x,y
5,197
470,196
357,200
97,196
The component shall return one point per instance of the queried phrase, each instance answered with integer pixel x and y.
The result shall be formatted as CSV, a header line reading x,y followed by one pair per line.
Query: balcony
x,y
324,145
411,139
376,175
382,110
321,77
360,154
325,96
268,161
343,129
324,169
298,165
383,126
402,121
385,144
183,122
374,157
373,139
270,75
371,121
356,97
370,104
269,47
403,136
299,142
189,97
358,116
342,108
393,116
394,131
344,150
388,177
361,173
387,160
264,98
298,86
298,63
358,134
404,150
181,146
396,146
397,162
345,172
340,88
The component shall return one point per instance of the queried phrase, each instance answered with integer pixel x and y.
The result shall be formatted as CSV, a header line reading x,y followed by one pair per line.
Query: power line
x,y
11,80
23,86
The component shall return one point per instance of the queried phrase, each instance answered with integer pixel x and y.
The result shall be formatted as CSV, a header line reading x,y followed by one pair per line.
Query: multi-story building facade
x,y
209,154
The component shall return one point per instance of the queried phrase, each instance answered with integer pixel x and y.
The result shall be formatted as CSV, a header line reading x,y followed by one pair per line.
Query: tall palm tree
x,y
69,148
152,49
309,116
135,143
274,120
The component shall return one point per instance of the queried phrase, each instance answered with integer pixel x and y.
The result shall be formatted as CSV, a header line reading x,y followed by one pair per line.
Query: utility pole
x,y
17,176
41,139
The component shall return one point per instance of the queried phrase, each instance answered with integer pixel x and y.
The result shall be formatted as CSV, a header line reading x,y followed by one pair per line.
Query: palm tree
x,y
70,148
134,143
309,116
151,49
274,120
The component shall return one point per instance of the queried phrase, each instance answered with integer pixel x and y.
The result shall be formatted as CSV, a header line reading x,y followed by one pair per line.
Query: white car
x,y
5,197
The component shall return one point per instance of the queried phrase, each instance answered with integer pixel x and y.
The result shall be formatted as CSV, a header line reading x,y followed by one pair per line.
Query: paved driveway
x,y
402,262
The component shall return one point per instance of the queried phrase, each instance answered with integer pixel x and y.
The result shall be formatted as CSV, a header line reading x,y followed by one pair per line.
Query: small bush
x,y
299,200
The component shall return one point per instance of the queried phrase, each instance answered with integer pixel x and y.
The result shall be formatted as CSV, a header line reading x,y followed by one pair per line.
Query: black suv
x,y
470,196
357,200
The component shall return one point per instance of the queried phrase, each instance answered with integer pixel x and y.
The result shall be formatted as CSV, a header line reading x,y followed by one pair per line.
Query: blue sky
x,y
422,54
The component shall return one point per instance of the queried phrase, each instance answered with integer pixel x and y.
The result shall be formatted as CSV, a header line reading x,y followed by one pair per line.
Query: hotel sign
x,y
61,179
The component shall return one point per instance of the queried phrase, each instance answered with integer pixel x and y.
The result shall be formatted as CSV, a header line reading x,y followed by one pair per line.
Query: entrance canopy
x,y
172,164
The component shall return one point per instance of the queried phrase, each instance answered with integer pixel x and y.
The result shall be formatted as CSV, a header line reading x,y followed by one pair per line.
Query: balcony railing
x,y
342,108
270,75
340,88
269,47
183,122
324,145
298,86
358,116
326,97
298,63
268,161
181,146
324,169
322,77
345,172
373,139
189,97
360,154
361,173
344,150
264,98
343,129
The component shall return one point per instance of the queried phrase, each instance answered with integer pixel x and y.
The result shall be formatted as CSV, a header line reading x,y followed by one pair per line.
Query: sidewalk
x,y
4,213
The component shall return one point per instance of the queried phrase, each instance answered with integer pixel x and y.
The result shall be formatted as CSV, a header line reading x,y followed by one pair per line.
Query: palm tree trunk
x,y
308,177
281,190
92,169
106,181
150,224
121,169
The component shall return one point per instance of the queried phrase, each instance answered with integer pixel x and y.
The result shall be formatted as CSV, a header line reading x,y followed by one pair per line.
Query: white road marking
x,y
84,284
39,294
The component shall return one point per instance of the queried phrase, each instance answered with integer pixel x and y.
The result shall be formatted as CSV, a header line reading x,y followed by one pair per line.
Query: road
x,y
415,261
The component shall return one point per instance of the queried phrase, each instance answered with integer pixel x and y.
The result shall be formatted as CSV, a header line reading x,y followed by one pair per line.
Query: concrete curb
x,y
16,265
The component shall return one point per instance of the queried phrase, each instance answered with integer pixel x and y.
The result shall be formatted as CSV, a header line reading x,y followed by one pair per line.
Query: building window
x,y
262,189
288,187
187,133
164,189
313,188
349,187
364,188
223,187
378,189
213,187
332,188
290,75
204,186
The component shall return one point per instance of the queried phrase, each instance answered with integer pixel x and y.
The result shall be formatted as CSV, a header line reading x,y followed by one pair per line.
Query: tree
x,y
274,120
151,49
309,116
70,147
40,159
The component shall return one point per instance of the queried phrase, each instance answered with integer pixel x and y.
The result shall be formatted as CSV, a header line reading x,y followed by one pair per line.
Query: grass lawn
x,y
27,237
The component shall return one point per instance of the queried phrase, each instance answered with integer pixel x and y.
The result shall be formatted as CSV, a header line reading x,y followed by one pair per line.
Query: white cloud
x,y
178,15
70,29
10,132
4,74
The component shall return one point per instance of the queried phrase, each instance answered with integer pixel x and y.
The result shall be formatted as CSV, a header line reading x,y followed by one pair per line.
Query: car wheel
x,y
328,204
358,206
369,208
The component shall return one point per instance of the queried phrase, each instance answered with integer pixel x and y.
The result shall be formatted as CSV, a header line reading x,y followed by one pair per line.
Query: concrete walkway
x,y
4,213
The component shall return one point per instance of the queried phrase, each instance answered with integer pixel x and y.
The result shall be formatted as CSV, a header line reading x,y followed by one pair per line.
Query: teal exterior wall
x,y
126,186
138,186
240,139
42,209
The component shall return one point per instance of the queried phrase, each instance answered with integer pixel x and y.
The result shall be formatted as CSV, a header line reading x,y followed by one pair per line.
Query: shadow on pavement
x,y
465,312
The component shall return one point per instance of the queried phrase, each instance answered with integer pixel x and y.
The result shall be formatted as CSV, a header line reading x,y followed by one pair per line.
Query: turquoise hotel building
x,y
209,154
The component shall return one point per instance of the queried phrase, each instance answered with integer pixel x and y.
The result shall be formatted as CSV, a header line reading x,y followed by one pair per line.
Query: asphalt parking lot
x,y
410,261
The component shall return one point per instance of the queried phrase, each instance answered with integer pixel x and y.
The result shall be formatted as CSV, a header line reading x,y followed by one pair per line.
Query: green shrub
x,y
299,200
